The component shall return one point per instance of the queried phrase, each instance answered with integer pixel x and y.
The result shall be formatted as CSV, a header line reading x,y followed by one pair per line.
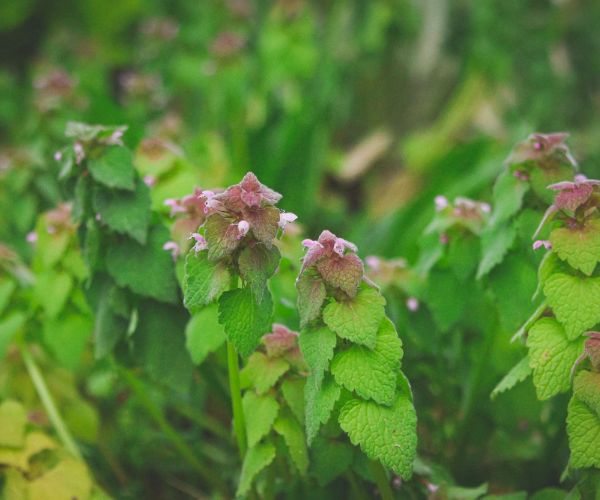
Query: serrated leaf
x,y
204,280
204,334
311,295
574,301
357,319
319,401
221,236
109,324
245,320
330,459
257,264
583,421
447,308
146,269
551,356
13,419
256,459
517,374
293,394
159,344
317,347
262,372
113,168
344,272
580,247
264,222
261,412
508,196
387,434
495,243
288,427
125,212
371,374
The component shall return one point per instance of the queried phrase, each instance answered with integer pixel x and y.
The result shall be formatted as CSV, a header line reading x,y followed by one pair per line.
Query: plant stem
x,y
383,484
239,423
49,405
233,365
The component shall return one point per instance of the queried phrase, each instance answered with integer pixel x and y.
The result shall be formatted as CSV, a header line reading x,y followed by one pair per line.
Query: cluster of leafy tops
x,y
354,354
562,349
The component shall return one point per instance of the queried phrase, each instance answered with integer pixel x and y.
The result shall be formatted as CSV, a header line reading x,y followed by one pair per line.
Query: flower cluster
x,y
547,151
576,201
335,261
463,212
283,343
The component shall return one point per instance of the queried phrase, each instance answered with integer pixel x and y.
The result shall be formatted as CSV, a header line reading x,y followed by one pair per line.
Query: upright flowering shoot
x,y
352,349
235,237
561,349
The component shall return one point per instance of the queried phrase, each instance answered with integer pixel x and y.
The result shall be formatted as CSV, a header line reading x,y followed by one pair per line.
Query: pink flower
x,y
542,243
441,202
32,237
150,180
243,228
412,304
285,218
58,156
171,246
249,193
79,152
327,245
200,242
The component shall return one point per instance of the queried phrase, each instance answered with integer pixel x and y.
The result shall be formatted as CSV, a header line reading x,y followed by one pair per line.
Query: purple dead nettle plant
x,y
233,233
348,342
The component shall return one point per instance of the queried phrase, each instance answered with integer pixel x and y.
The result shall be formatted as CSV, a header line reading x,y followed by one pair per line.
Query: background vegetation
x,y
360,113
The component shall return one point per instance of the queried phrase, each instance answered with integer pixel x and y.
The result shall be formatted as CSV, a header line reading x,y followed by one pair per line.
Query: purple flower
x,y
441,202
79,152
150,180
58,156
171,246
243,228
200,243
285,218
249,193
327,244
32,237
412,304
542,243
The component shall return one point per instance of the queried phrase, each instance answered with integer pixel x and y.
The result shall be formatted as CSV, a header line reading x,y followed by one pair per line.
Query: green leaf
x,y
110,325
447,308
330,459
67,338
261,412
159,344
9,327
204,334
319,402
7,287
583,421
574,301
52,290
508,196
293,394
221,237
13,419
371,374
256,459
387,434
551,356
124,212
311,295
262,372
357,319
288,427
146,269
114,168
245,320
517,374
580,247
344,272
68,479
257,264
495,243
317,347
204,281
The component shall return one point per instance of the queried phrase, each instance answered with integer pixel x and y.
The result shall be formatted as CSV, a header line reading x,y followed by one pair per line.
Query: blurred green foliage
x,y
360,112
